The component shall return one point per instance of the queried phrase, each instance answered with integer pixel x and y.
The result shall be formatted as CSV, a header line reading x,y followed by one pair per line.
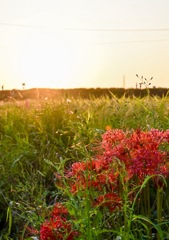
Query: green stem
x,y
127,222
159,207
147,206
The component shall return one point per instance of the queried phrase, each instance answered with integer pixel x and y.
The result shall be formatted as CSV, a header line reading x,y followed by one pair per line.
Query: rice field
x,y
49,187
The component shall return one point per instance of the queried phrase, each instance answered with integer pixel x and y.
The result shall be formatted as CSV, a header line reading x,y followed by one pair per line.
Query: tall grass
x,y
60,132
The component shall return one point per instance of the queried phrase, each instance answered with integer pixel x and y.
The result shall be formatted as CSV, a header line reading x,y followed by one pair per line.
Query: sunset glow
x,y
72,44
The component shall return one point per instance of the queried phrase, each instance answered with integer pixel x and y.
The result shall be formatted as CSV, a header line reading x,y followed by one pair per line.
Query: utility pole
x,y
23,85
124,81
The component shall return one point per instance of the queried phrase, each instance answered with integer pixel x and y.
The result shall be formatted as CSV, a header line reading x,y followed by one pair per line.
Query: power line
x,y
117,30
22,25
87,29
135,41
113,42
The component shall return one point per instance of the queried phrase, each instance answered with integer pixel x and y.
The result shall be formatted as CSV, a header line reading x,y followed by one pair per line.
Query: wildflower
x,y
77,168
138,150
109,200
108,127
50,230
56,229
112,137
57,226
125,159
59,210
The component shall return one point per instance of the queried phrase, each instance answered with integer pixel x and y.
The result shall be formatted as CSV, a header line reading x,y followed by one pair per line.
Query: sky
x,y
83,43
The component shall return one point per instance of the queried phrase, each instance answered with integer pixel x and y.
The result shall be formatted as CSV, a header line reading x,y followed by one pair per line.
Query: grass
x,y
39,136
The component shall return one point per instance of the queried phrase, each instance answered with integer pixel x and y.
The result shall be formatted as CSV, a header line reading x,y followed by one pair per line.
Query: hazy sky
x,y
83,43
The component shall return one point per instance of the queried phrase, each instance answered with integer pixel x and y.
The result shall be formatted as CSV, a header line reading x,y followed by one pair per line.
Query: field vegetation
x,y
85,93
68,168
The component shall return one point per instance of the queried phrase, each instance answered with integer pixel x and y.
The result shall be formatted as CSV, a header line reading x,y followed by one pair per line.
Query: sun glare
x,y
46,64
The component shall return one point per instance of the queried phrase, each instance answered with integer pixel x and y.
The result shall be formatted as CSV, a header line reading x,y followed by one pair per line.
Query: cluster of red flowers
x,y
134,155
57,227
140,153
143,153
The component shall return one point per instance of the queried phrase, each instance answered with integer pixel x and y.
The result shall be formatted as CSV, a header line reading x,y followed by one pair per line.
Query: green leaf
x,y
157,227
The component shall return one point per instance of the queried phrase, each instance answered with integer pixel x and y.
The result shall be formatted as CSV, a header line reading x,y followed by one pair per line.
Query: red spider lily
x,y
124,157
57,228
146,158
112,137
109,200
139,151
50,229
77,168
59,210
96,173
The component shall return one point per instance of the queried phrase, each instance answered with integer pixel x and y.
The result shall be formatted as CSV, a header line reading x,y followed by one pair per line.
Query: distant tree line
x,y
46,93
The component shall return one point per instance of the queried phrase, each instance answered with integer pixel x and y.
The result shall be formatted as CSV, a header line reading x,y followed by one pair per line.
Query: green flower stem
x,y
159,206
147,204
